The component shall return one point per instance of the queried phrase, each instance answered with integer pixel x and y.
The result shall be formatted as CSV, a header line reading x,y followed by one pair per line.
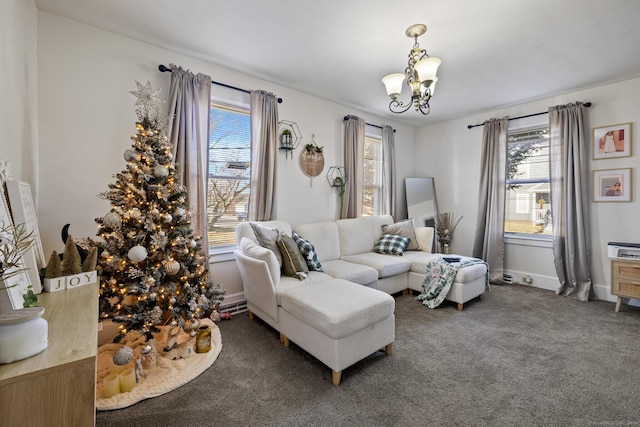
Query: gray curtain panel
x,y
189,99
354,167
264,150
569,159
388,172
489,238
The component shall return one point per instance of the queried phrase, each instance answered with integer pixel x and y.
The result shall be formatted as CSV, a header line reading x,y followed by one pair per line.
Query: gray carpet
x,y
519,357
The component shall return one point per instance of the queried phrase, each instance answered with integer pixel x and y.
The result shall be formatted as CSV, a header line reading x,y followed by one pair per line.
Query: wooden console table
x,y
56,387
625,279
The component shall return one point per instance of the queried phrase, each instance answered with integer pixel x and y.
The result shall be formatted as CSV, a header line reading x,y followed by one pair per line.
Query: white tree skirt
x,y
166,376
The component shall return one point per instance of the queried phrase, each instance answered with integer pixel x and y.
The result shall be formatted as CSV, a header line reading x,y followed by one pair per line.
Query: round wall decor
x,y
312,159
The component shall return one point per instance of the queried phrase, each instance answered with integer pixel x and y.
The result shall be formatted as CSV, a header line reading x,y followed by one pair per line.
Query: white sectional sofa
x,y
339,315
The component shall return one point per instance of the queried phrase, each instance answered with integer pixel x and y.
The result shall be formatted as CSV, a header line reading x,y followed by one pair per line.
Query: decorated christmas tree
x,y
152,271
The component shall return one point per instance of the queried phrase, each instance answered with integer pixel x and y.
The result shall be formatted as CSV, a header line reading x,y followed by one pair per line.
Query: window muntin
x,y
528,197
228,185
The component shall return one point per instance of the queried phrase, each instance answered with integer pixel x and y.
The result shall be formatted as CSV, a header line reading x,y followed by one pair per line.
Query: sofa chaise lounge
x,y
339,314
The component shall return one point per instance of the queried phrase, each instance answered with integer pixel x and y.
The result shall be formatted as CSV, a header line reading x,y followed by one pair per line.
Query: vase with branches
x,y
446,223
14,241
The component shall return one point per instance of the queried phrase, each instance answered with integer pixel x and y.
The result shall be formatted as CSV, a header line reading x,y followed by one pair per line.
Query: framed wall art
x,y
612,141
24,212
612,185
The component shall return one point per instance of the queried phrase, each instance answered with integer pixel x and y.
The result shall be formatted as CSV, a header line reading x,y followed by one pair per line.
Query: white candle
x,y
127,380
116,369
111,385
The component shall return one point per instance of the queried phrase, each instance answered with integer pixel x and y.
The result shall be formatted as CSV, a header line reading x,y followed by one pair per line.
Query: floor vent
x,y
507,279
234,308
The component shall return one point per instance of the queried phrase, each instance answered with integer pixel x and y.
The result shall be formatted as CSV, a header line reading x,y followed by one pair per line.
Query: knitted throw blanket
x,y
440,275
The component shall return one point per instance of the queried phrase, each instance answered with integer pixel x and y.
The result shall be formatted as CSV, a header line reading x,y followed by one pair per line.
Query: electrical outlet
x,y
527,279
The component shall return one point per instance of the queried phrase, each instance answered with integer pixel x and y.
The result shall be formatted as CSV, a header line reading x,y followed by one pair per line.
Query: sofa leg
x,y
388,349
251,316
336,376
460,307
284,340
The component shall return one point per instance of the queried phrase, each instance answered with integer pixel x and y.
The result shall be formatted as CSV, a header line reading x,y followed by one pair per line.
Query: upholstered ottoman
x,y
470,282
337,321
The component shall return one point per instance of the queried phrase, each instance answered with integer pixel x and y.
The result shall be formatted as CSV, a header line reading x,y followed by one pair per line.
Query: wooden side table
x,y
58,386
625,279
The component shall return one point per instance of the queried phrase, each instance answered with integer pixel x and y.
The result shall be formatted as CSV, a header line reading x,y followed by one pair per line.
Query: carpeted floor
x,y
520,357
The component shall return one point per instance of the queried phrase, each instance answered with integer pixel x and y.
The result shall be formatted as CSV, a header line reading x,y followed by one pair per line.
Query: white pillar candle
x,y
116,369
111,385
127,380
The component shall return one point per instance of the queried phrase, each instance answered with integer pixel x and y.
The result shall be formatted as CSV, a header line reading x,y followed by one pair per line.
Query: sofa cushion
x,y
391,244
424,236
404,228
244,229
293,263
357,273
325,238
359,235
308,252
253,250
267,237
385,265
287,282
337,308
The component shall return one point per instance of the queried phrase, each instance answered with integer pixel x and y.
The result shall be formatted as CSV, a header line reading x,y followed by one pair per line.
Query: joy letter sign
x,y
70,282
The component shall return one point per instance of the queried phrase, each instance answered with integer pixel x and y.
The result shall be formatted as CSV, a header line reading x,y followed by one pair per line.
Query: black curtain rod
x,y
368,124
163,69
586,104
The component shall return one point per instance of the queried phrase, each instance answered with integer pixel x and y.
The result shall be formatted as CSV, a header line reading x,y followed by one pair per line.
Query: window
x,y
229,170
528,198
372,187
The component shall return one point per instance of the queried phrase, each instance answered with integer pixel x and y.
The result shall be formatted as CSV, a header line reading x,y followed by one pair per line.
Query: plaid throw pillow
x,y
391,244
308,252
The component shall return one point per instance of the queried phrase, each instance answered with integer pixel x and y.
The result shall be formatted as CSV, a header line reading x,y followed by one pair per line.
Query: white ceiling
x,y
494,53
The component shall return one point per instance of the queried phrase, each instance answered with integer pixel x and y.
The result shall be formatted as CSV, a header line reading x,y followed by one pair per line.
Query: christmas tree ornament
x,y
179,212
149,357
130,155
172,266
147,97
137,253
190,326
123,355
167,218
112,220
160,171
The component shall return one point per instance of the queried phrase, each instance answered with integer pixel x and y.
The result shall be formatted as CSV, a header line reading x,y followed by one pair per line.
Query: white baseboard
x,y
550,283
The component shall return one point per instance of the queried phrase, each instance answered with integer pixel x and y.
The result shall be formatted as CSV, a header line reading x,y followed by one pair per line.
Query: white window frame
x,y
232,99
370,137
527,239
